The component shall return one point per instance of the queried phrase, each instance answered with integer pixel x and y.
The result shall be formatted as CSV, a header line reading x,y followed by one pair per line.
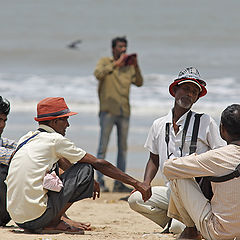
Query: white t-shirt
x,y
208,137
26,197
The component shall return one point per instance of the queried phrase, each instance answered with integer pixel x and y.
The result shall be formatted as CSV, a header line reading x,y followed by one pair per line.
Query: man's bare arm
x,y
111,171
151,168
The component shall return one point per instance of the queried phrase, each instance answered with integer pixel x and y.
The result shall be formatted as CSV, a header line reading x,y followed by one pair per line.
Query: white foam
x,y
80,92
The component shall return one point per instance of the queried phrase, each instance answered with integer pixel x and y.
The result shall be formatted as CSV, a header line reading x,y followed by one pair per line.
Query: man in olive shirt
x,y
115,75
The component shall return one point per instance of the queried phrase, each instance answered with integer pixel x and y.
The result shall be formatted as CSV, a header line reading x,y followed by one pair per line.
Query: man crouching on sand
x,y
218,218
39,152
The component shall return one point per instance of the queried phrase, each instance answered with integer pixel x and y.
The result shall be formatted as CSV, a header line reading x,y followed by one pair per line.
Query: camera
x,y
129,59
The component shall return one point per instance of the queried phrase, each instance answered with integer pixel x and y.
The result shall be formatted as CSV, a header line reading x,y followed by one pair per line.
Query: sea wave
x,y
25,90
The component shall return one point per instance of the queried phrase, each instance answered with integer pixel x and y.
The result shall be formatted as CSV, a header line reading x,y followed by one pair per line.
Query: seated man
x,y
220,217
32,206
6,149
175,135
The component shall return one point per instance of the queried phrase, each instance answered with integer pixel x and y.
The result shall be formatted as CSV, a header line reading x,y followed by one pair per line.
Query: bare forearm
x,y
151,168
64,164
139,78
111,171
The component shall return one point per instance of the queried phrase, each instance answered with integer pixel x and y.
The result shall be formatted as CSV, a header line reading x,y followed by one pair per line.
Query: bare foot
x,y
190,233
83,226
62,227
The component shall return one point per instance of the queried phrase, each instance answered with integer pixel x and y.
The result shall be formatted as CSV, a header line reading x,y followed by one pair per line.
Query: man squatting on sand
x,y
170,137
33,207
218,218
7,147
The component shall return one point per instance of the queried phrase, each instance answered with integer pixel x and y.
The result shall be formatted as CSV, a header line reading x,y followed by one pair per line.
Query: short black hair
x,y
46,122
230,119
4,106
118,39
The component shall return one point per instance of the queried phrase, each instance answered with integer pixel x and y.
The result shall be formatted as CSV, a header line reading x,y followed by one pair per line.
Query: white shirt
x,y
26,197
208,137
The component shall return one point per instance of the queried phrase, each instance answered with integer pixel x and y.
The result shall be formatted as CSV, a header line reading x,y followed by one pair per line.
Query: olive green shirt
x,y
114,85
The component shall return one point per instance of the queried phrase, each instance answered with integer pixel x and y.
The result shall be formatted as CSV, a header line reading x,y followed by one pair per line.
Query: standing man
x,y
6,149
172,136
38,207
115,75
218,218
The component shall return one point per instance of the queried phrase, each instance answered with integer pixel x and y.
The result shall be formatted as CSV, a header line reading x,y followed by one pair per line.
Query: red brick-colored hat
x,y
52,108
192,75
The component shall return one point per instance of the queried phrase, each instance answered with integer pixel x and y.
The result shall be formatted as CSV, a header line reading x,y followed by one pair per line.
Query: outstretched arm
x,y
111,171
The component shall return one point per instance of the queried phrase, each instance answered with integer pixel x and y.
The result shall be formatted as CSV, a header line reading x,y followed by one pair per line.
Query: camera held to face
x,y
130,59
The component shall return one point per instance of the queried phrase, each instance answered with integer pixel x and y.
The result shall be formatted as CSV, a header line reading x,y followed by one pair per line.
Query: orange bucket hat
x,y
52,108
192,75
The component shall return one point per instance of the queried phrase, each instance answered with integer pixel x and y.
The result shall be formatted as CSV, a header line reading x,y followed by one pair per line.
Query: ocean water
x,y
36,61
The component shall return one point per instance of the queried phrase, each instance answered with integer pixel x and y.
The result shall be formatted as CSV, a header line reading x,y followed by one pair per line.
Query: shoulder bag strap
x,y
185,128
193,145
20,145
234,174
167,130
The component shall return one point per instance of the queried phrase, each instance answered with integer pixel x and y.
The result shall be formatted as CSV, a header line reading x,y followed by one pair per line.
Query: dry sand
x,y
110,217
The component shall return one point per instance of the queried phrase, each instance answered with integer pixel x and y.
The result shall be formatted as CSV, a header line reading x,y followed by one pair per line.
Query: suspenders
x,y
193,145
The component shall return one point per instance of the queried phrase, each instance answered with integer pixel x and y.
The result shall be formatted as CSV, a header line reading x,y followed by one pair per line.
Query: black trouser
x,y
78,183
4,216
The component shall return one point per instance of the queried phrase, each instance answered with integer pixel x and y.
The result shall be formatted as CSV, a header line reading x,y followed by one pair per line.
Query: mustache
x,y
186,98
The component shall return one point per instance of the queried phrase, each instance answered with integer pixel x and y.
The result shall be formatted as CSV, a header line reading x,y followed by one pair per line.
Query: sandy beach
x,y
110,217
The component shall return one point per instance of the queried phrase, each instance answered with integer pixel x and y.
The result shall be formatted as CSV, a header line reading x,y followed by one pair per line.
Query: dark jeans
x,y
4,216
78,183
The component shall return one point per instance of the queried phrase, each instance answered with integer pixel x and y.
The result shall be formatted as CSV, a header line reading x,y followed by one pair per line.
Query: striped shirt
x,y
6,149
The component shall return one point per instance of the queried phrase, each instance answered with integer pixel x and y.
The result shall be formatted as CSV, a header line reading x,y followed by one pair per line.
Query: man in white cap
x,y
41,208
177,134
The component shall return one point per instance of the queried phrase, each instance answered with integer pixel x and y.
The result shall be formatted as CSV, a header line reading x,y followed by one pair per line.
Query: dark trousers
x,y
4,216
78,183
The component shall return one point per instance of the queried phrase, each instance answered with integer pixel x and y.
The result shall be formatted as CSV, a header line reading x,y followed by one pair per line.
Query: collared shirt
x,y
26,197
6,149
208,137
224,221
114,85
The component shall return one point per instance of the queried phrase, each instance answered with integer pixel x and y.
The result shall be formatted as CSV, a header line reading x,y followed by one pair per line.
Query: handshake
x,y
130,59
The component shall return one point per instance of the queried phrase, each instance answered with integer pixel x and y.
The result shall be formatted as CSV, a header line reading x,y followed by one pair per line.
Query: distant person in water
x,y
115,75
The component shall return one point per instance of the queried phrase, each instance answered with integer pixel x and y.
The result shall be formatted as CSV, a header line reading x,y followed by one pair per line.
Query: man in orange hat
x,y
177,134
40,208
